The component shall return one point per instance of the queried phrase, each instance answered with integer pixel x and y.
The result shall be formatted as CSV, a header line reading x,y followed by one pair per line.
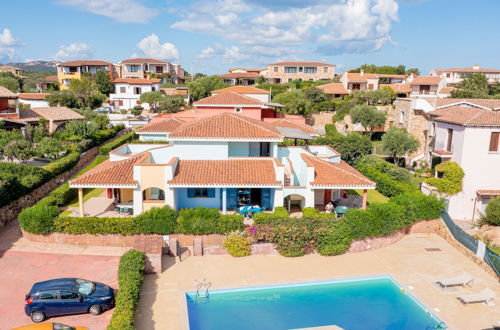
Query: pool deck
x,y
162,304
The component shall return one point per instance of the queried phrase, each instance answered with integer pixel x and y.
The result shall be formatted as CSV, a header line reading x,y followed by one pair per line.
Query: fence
x,y
477,247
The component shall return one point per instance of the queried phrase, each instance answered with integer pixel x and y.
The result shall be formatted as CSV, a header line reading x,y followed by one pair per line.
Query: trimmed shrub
x,y
295,237
38,219
237,244
451,182
419,206
229,222
395,172
105,149
330,129
491,215
130,277
95,225
200,220
158,220
62,164
385,184
313,213
64,194
264,218
17,180
336,240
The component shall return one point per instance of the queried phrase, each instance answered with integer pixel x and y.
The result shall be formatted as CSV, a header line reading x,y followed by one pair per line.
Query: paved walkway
x,y
162,304
11,239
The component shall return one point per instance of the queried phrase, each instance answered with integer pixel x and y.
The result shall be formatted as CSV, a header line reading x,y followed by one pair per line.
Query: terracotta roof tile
x,y
335,174
467,116
488,103
33,96
161,126
302,63
7,94
50,79
141,60
488,192
229,98
290,124
426,80
227,126
111,173
238,172
446,90
468,70
57,113
442,153
137,81
234,75
355,77
241,90
401,87
333,88
85,62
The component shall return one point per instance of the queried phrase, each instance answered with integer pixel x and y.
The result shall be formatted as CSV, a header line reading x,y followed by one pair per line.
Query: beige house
x,y
15,71
70,70
333,90
426,86
353,82
283,72
144,68
454,76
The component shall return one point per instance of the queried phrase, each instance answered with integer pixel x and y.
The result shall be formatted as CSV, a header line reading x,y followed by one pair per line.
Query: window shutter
x,y
494,141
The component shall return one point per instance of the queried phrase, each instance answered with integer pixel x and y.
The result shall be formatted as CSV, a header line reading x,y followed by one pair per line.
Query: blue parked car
x,y
67,296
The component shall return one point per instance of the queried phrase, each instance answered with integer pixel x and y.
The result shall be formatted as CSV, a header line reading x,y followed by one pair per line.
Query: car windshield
x,y
84,286
59,326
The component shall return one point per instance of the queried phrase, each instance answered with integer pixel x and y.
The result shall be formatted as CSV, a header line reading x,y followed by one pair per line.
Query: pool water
x,y
372,303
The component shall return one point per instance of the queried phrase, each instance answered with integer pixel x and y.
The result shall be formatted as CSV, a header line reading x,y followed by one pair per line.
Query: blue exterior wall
x,y
184,202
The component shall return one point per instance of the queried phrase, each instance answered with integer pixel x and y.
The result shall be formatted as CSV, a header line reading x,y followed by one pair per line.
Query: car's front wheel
x,y
37,317
95,310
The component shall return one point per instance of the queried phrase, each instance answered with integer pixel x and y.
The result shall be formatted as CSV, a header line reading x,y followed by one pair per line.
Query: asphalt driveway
x,y
19,270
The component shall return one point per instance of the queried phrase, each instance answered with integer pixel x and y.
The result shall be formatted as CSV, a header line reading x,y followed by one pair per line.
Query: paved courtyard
x,y
162,297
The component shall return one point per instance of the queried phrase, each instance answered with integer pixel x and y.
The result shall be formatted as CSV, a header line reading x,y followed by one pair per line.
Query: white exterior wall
x,y
198,150
129,98
481,167
35,103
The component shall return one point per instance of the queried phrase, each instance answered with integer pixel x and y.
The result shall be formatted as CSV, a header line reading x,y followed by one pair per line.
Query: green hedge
x,y
38,219
311,212
105,149
62,164
266,218
17,180
130,277
202,220
95,225
386,185
158,220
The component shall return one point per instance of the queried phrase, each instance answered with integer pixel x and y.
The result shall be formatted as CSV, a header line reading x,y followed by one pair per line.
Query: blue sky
x,y
211,36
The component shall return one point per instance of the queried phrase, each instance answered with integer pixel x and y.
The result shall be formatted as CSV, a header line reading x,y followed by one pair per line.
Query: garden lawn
x,y
373,196
495,249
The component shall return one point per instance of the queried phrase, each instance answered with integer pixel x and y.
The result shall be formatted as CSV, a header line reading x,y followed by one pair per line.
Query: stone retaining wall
x,y
10,212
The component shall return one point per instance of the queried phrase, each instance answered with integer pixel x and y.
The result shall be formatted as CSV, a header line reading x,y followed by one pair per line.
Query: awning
x,y
294,133
486,192
276,105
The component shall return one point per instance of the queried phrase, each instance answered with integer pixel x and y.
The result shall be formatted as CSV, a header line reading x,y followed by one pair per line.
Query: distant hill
x,y
36,66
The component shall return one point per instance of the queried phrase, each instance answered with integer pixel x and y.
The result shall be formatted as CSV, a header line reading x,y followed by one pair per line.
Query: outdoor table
x,y
124,207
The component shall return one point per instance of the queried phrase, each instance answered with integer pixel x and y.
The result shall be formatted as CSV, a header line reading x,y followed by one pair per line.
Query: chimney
x,y
475,67
362,72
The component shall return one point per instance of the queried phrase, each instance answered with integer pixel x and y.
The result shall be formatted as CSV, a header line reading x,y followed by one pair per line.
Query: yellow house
x,y
66,71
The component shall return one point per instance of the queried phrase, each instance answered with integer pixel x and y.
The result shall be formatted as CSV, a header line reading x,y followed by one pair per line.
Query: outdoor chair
x,y
463,280
485,296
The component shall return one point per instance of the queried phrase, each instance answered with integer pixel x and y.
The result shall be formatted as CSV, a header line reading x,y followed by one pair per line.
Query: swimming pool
x,y
370,303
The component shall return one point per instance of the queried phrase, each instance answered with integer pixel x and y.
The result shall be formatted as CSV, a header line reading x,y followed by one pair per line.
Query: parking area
x,y
19,270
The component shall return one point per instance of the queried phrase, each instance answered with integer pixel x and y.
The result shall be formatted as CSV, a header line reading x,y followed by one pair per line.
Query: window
x,y
425,89
494,137
48,295
68,295
134,68
159,69
356,87
325,69
275,69
84,286
300,69
290,69
401,117
137,90
370,87
448,75
73,69
201,192
153,89
153,194
123,90
290,79
450,140
310,70
237,110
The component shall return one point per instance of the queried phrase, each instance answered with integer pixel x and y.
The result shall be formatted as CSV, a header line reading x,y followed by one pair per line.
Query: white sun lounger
x,y
463,280
485,296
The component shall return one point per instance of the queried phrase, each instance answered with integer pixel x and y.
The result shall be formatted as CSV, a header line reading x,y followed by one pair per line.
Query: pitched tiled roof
x,y
355,77
302,63
426,80
488,192
291,124
141,60
229,98
446,90
33,96
467,116
468,70
241,90
401,87
161,126
335,174
235,75
111,173
85,62
238,172
393,76
227,126
248,69
50,79
333,88
57,113
137,81
488,103
7,94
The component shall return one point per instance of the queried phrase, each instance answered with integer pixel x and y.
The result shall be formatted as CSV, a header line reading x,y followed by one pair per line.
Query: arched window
x,y
153,194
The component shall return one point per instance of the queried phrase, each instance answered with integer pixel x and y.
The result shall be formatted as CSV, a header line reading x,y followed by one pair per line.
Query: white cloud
x,y
225,55
7,44
151,47
122,11
335,26
73,52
